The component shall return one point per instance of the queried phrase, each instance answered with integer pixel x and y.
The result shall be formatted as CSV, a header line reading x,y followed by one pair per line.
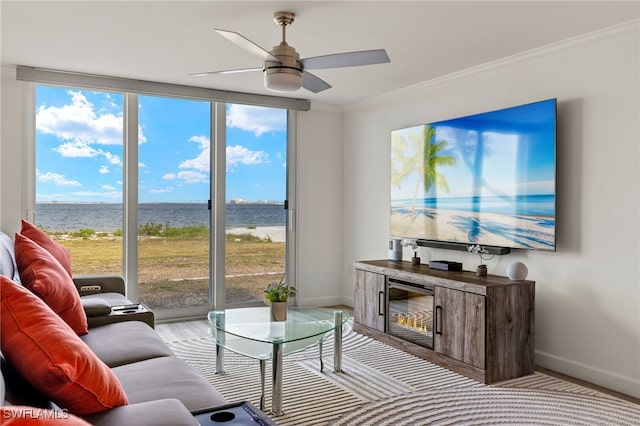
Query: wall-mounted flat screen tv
x,y
487,179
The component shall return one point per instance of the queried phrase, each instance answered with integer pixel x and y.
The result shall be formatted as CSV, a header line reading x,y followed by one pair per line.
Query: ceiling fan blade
x,y
200,74
349,59
247,45
313,83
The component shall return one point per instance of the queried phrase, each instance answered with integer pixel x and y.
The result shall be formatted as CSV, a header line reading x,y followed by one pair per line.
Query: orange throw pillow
x,y
41,273
50,356
39,237
17,415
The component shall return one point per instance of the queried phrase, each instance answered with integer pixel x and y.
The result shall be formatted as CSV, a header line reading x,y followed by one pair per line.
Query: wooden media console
x,y
481,327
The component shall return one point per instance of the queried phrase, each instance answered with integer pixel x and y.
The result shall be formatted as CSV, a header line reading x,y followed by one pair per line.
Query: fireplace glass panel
x,y
410,313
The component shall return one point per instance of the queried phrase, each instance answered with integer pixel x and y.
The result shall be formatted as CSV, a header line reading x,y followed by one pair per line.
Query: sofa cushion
x,y
141,343
39,237
8,266
111,299
29,416
168,377
164,412
95,306
42,273
48,354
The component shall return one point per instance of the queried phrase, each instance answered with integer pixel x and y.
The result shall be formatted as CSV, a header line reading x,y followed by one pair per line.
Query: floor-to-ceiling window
x,y
83,187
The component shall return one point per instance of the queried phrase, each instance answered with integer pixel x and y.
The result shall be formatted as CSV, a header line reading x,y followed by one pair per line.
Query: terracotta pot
x,y
481,271
278,311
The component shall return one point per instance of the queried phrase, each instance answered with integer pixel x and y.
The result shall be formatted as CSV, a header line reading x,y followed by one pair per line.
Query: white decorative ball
x,y
517,271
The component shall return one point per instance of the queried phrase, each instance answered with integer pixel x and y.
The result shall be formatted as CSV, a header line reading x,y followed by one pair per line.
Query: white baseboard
x,y
319,301
608,379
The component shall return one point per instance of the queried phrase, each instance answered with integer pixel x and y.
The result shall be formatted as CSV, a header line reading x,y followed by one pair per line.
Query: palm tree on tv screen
x,y
422,154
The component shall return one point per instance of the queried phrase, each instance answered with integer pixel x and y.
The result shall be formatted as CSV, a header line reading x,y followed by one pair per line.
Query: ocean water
x,y
108,217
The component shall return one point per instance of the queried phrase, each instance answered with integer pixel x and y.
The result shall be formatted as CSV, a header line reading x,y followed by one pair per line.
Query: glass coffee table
x,y
252,333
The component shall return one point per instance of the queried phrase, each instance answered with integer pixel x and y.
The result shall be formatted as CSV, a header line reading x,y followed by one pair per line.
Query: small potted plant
x,y
415,260
276,295
481,270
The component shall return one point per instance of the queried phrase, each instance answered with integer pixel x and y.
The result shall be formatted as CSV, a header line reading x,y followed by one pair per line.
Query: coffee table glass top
x,y
251,332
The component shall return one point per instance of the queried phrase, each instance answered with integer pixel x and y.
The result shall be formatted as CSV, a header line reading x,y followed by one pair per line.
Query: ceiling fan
x,y
283,69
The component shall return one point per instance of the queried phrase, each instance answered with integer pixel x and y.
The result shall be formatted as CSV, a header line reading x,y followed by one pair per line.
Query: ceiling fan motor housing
x,y
286,75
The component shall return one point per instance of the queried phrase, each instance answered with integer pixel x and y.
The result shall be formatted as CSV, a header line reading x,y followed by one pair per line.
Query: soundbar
x,y
462,246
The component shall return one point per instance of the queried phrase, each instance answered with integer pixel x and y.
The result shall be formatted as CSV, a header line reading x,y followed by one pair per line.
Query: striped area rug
x,y
382,385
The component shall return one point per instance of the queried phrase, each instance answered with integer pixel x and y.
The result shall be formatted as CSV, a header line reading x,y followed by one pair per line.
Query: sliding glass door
x,y
174,178
256,190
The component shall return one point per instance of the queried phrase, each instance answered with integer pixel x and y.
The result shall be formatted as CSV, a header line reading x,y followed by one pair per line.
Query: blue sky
x,y
79,152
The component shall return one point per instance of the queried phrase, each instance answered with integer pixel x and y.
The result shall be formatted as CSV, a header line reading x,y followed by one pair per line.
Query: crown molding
x,y
518,57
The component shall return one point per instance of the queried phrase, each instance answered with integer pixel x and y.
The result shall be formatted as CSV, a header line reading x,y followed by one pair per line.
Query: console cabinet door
x,y
460,326
369,299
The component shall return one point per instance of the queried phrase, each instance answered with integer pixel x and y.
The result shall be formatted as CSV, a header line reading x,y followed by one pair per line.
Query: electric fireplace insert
x,y
410,311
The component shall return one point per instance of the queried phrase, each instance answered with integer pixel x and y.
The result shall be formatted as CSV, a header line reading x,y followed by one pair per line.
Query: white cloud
x,y
79,121
108,188
241,155
199,166
56,179
189,176
103,170
111,158
202,161
75,149
192,177
81,149
256,119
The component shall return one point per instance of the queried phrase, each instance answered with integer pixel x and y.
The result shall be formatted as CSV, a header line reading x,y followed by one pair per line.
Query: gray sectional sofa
x,y
160,388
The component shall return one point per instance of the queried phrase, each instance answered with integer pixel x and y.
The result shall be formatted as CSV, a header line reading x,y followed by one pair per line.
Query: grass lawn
x,y
174,270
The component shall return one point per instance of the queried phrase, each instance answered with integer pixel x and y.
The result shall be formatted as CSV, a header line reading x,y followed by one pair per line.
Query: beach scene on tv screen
x,y
487,179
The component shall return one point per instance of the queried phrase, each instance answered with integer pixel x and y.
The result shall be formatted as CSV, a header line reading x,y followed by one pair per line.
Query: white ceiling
x,y
166,40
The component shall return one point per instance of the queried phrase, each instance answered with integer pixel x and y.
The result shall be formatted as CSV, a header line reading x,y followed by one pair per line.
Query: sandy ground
x,y
496,229
276,233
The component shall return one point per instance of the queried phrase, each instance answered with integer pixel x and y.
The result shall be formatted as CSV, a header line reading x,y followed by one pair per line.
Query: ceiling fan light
x,y
282,81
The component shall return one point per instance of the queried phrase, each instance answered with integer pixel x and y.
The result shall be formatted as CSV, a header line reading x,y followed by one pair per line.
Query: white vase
x,y
517,271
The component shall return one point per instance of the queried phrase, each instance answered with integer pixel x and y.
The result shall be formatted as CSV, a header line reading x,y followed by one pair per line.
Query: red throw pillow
x,y
50,356
17,415
39,237
41,273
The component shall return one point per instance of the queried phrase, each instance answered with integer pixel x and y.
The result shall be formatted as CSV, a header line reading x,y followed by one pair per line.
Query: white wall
x,y
319,218
13,188
588,292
